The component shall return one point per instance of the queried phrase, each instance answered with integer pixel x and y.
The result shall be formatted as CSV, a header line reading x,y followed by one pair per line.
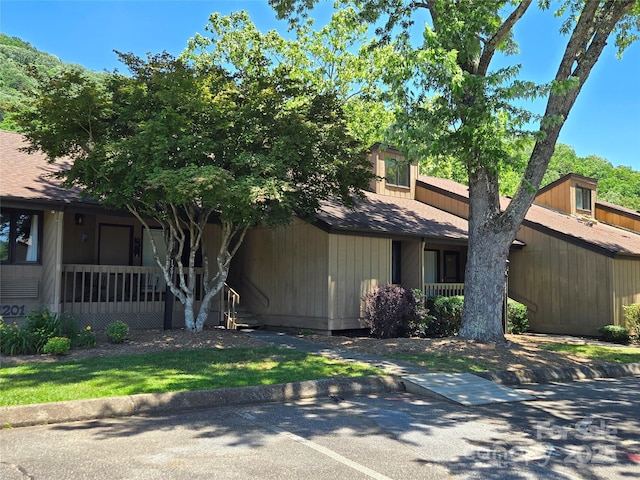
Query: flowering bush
x,y
85,338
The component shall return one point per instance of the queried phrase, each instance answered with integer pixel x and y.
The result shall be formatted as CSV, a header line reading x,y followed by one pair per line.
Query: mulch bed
x,y
520,351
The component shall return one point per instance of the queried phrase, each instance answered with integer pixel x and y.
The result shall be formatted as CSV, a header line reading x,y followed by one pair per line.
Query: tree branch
x,y
492,44
588,39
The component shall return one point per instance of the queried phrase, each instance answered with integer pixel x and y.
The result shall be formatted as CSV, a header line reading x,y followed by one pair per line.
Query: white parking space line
x,y
320,449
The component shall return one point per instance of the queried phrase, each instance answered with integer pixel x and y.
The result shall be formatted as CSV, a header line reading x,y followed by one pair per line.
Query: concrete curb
x,y
564,374
151,403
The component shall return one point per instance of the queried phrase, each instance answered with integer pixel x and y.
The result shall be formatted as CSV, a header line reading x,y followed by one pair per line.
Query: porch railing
x,y
443,289
115,289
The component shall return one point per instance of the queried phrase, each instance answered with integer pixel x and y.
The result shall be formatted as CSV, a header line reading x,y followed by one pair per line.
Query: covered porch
x,y
99,294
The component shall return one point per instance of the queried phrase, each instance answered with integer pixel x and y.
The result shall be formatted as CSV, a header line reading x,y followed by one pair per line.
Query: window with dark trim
x,y
20,236
397,172
583,198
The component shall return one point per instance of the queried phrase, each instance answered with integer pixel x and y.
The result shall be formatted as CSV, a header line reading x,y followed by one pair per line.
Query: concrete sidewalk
x,y
400,376
464,388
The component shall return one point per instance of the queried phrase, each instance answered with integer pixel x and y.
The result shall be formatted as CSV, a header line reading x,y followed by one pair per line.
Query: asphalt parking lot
x,y
585,429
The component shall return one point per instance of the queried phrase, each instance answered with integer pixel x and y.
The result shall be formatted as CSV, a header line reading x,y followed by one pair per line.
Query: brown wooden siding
x,y
356,266
51,277
448,203
626,282
617,218
558,197
578,301
287,269
80,241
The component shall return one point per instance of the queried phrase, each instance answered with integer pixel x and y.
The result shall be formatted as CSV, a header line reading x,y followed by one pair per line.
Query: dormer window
x,y
397,172
583,198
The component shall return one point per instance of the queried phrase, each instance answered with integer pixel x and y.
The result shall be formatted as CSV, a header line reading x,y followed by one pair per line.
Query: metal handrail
x,y
253,289
230,299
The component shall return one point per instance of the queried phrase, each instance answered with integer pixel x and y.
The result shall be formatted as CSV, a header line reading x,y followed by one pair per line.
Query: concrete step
x,y
248,323
463,388
245,318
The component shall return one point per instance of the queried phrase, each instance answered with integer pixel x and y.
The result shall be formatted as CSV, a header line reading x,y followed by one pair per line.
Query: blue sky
x,y
605,120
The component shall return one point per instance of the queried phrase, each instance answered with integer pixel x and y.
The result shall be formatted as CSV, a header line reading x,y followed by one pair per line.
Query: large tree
x,y
187,143
335,59
456,104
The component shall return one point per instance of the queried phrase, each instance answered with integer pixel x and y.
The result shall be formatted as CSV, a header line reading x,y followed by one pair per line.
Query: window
x,y
431,266
451,266
397,172
583,198
20,236
396,262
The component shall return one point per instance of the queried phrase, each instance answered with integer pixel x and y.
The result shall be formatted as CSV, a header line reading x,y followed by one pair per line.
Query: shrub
x,y
69,328
632,318
446,316
57,346
12,342
388,311
80,337
419,324
117,331
614,333
517,317
39,327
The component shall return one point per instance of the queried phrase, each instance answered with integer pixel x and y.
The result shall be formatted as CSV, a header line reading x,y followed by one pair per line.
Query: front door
x,y
114,246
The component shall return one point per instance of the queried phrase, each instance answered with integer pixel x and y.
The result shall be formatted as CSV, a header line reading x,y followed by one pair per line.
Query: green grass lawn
x,y
442,362
607,354
97,377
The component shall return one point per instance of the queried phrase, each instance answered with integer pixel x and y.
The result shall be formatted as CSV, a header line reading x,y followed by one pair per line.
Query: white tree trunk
x,y
189,321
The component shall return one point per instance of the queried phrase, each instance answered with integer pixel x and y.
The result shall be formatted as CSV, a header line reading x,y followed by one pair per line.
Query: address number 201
x,y
11,310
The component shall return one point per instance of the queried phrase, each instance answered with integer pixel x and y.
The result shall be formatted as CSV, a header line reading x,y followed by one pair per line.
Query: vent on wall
x,y
27,288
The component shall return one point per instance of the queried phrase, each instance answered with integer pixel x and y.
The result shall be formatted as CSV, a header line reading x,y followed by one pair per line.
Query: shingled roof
x,y
29,176
600,237
380,214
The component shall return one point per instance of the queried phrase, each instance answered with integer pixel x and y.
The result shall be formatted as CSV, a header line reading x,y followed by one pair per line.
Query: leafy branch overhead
x,y
190,142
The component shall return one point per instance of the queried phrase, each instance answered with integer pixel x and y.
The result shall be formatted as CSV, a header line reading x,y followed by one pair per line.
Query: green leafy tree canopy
x,y
187,142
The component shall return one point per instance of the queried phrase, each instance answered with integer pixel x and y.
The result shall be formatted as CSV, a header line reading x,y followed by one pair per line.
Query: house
x,y
581,262
70,254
